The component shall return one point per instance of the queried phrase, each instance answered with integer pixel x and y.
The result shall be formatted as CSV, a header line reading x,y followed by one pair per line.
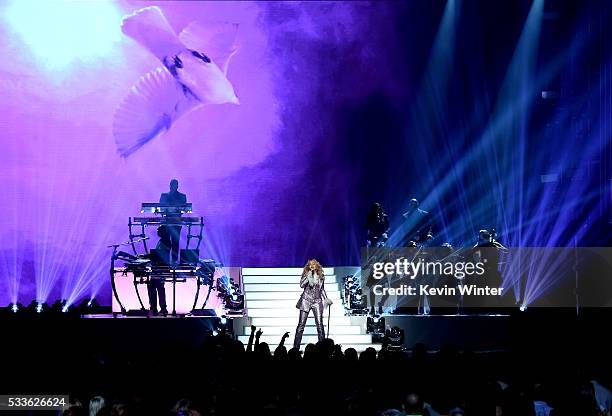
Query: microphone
x,y
311,279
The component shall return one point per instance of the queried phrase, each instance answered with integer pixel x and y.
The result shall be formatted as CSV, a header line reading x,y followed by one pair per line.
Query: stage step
x,y
271,295
280,271
291,322
292,279
284,287
287,304
289,313
262,294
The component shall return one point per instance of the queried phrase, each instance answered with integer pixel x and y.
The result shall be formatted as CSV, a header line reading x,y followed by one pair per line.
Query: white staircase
x,y
270,297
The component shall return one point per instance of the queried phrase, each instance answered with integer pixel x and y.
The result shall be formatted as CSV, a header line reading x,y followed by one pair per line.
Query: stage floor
x,y
539,329
482,332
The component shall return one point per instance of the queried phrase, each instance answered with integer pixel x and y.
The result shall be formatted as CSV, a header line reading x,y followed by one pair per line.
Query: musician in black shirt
x,y
174,197
417,226
487,250
155,287
377,226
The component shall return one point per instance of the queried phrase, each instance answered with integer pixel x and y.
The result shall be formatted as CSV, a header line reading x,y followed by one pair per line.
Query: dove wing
x,y
217,40
150,108
150,28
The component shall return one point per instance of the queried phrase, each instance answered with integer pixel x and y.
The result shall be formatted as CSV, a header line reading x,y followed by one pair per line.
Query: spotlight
x,y
352,296
237,303
394,339
376,327
90,28
456,412
231,295
223,326
59,306
523,308
89,306
35,307
15,307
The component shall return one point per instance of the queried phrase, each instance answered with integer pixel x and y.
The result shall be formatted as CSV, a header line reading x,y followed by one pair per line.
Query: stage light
x,y
549,95
230,294
15,307
395,339
223,326
39,307
375,324
60,33
59,306
352,296
87,306
376,327
523,308
456,412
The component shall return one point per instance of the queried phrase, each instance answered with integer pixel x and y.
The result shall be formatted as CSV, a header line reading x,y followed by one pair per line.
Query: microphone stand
x,y
328,317
112,271
127,243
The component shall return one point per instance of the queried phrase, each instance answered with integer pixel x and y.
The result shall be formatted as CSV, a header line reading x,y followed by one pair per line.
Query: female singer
x,y
313,297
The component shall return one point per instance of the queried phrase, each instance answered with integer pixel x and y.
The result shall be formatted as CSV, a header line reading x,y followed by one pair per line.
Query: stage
x,y
475,332
132,333
270,295
483,333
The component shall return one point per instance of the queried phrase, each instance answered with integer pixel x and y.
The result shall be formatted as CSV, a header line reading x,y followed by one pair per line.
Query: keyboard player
x,y
174,197
156,288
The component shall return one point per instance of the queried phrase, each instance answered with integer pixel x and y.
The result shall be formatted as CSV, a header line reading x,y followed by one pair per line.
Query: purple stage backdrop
x,y
271,192
341,104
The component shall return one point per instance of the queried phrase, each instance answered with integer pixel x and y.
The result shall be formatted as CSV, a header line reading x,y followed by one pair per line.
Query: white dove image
x,y
193,74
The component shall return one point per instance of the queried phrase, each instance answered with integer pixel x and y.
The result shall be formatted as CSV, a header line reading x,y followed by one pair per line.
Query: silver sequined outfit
x,y
313,298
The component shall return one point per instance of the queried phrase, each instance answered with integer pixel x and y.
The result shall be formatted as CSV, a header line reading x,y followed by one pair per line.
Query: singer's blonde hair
x,y
318,268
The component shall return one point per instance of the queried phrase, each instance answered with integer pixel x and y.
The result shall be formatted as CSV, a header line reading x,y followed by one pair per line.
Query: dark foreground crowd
x,y
225,377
